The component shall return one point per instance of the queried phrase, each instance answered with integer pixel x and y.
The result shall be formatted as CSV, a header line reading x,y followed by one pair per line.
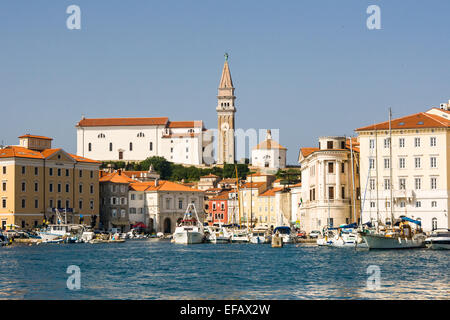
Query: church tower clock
x,y
225,116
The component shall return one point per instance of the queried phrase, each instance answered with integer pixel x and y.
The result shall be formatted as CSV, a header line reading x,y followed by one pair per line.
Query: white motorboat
x,y
59,231
190,229
216,235
285,233
260,236
439,239
345,236
240,236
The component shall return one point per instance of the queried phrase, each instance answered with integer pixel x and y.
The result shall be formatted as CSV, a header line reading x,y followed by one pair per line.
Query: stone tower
x,y
225,116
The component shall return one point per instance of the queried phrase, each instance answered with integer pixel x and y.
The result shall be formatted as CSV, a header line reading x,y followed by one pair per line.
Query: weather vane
x,y
226,56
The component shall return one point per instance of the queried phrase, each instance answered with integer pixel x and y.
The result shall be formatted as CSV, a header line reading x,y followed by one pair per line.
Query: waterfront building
x,y
330,195
114,212
207,182
269,154
161,204
136,139
37,179
406,171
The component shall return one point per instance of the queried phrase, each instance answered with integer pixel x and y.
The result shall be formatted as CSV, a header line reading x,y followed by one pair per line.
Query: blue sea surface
x,y
142,269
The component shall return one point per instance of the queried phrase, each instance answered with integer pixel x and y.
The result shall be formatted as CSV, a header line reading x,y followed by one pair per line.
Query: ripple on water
x,y
162,270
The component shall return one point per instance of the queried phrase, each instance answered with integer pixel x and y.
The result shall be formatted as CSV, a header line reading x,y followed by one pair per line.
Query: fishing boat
x,y
439,239
189,230
60,231
285,234
401,236
260,235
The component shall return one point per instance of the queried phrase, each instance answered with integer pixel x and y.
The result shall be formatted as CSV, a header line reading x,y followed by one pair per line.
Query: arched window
x,y
140,135
131,146
434,224
101,135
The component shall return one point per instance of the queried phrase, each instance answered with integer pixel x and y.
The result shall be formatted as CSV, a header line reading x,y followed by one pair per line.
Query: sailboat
x,y
239,235
190,229
400,235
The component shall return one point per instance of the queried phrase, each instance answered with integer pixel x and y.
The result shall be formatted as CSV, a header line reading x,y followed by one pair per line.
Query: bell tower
x,y
225,116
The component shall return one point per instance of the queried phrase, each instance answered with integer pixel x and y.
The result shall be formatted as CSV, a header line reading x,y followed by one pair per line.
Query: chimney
x,y
119,171
156,182
269,135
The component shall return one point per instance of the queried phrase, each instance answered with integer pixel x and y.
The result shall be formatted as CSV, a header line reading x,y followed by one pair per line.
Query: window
x,y
343,192
167,203
401,142
372,184
51,203
433,142
114,213
23,186
386,163
330,167
330,193
180,204
417,183
402,204
67,172
151,146
388,204
101,135
433,162
402,183
67,187
433,204
372,204
372,163
91,204
222,206
387,143
131,146
59,187
132,210
417,163
59,172
371,144
140,135
402,163
80,204
36,171
342,168
50,171
133,196
387,184
214,206
3,202
416,142
433,183
81,173
329,144
67,203
59,204
434,224
50,187
418,204
89,146
24,203
3,186
80,188
91,174
4,170
23,170
171,149
110,146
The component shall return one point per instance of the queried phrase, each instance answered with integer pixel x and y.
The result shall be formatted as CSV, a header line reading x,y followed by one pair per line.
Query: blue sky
x,y
309,68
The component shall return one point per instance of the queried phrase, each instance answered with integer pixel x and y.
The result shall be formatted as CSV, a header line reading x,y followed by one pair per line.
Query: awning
x,y
139,225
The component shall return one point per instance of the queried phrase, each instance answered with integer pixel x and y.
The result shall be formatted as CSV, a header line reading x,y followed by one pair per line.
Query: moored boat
x,y
189,230
285,233
439,240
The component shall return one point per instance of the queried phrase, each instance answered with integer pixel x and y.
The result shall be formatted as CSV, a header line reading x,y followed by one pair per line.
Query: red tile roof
x,y
34,136
163,185
185,124
252,185
21,152
106,122
414,121
307,151
116,177
270,192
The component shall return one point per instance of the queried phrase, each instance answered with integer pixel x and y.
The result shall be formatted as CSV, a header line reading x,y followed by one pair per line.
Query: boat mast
x,y
238,197
353,182
390,167
376,176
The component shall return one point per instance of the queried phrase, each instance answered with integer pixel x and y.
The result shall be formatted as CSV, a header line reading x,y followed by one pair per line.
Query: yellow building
x,y
36,180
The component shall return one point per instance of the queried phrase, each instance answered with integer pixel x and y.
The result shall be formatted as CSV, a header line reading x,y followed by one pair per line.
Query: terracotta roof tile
x,y
106,122
21,152
34,136
269,144
115,177
185,124
163,185
414,121
270,192
307,151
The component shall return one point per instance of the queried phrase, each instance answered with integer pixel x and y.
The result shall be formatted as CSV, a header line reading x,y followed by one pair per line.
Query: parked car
x,y
301,234
314,234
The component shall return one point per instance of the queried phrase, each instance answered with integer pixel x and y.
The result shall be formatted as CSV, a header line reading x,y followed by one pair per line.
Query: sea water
x,y
142,269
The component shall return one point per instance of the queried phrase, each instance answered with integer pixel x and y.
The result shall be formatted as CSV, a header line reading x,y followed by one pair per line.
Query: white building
x,y
161,204
269,154
413,179
135,139
329,193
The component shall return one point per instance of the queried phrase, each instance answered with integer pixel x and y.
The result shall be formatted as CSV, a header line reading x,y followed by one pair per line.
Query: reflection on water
x,y
161,270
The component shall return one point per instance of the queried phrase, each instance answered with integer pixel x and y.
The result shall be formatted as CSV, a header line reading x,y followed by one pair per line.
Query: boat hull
x,y
438,244
381,242
188,237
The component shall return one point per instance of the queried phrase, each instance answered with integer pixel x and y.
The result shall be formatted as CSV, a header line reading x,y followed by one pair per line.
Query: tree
x,y
160,164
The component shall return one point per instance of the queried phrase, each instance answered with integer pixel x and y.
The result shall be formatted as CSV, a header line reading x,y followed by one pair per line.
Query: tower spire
x,y
225,80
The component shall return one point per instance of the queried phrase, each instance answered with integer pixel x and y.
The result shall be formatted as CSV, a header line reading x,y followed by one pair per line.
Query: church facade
x,y
182,142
